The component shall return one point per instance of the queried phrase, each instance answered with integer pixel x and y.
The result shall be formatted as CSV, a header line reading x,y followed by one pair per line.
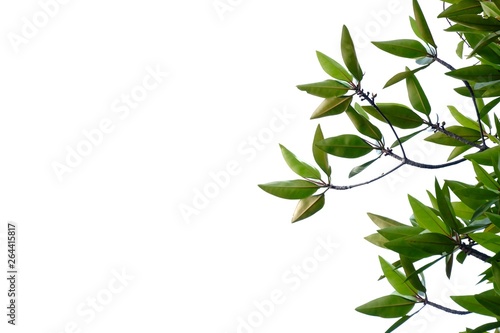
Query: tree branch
x,y
440,128
440,307
371,100
388,152
471,91
468,250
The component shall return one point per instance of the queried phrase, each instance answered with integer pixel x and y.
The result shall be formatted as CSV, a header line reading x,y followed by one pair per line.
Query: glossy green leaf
x,y
462,119
470,303
462,8
490,9
406,48
395,232
383,222
490,301
487,240
487,53
390,306
423,28
308,207
398,323
486,327
403,75
333,68
464,132
360,168
457,151
325,89
411,276
445,208
396,278
423,268
405,138
347,146
332,106
476,73
363,125
495,268
349,54
494,218
423,245
485,41
460,49
449,265
485,157
290,189
464,193
377,239
301,168
426,217
484,177
399,115
477,22
417,96
320,156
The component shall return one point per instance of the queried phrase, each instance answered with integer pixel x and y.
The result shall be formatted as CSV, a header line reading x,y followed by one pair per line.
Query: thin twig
x,y
440,128
440,307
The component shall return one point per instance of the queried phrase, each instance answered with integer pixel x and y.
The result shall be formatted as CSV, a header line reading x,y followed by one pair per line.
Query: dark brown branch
x,y
407,161
348,187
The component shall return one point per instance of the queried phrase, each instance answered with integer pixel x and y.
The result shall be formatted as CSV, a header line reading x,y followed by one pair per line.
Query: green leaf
x,y
403,75
347,146
484,177
486,327
485,157
290,189
464,132
449,265
308,207
487,240
349,54
476,73
422,245
377,239
383,222
457,151
470,303
490,9
301,168
325,89
392,233
320,156
460,48
332,106
490,301
423,28
462,8
485,41
445,208
357,170
495,268
390,306
406,48
411,275
399,115
477,22
462,120
363,125
396,278
406,138
333,68
398,323
417,96
494,218
426,217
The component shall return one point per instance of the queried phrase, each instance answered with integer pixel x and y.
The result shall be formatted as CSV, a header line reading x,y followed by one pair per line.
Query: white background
x,y
119,210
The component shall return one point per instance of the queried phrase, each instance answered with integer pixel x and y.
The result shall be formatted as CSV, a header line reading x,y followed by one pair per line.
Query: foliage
x,y
462,220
